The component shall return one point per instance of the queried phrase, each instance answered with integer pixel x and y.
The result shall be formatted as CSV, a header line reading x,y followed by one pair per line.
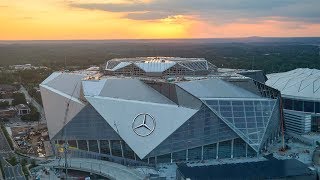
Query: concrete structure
x,y
8,112
8,100
300,89
271,169
160,110
106,169
22,109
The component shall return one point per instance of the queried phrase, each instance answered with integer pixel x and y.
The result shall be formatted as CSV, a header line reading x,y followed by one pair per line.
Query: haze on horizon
x,y
156,19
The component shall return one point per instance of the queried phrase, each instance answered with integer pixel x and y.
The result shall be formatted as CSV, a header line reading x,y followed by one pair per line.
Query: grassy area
x,y
6,134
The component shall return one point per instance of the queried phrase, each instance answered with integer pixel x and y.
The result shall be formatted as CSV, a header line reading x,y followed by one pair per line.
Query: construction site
x,y
31,140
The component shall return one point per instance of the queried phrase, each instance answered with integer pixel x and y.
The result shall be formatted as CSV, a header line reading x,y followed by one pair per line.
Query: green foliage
x,y
36,95
4,104
33,163
5,119
270,55
1,169
6,134
23,162
12,160
33,116
18,98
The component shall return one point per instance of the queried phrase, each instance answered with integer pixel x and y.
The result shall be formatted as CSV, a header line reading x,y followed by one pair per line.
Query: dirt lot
x,y
30,139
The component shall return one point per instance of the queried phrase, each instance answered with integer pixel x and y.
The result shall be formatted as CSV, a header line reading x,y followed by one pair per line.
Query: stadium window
x,y
308,106
104,147
317,107
82,144
288,104
297,105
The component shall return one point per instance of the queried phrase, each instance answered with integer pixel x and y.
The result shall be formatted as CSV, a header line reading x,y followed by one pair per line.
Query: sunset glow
x,y
129,19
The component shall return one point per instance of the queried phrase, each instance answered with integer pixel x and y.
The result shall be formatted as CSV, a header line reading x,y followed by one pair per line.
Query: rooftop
x,y
159,64
302,83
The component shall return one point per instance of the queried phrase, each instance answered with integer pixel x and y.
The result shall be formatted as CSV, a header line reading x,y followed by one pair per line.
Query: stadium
x,y
300,89
160,110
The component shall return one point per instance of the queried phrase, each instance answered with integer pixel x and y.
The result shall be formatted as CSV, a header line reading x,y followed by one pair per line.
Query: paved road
x,y
104,168
34,103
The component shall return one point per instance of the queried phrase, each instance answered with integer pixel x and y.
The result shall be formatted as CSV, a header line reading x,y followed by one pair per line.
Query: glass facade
x,y
210,151
239,148
93,146
82,144
248,117
233,148
88,124
195,153
104,147
220,129
315,124
205,136
72,143
301,105
224,150
202,128
116,148
164,158
179,156
127,151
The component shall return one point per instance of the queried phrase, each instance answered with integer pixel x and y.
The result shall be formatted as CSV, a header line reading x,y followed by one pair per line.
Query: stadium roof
x,y
302,83
158,64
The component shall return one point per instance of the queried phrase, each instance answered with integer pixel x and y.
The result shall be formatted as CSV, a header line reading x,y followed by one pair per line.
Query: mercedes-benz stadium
x,y
300,89
160,110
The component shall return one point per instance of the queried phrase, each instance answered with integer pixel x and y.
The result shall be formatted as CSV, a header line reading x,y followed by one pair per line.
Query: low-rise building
x,y
8,112
9,100
22,109
300,91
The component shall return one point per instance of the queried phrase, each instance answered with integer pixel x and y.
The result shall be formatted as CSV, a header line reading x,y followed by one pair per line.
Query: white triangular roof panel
x,y
120,114
55,105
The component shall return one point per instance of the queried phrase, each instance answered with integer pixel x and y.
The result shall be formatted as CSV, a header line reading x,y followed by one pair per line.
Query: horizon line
x,y
128,39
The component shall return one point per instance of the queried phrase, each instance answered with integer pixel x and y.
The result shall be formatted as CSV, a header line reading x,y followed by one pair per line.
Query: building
x,y
7,90
257,75
9,101
271,169
22,109
160,110
8,112
300,89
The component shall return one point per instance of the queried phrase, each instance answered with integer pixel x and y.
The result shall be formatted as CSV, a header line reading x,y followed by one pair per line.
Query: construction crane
x,y
283,148
64,133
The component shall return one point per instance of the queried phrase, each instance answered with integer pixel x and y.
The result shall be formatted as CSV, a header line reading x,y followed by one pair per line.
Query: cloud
x,y
214,11
148,15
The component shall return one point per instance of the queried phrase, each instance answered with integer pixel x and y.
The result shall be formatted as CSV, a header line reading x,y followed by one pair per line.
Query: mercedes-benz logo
x,y
143,124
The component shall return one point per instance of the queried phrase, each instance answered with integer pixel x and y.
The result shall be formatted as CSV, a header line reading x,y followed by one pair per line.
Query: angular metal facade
x,y
188,120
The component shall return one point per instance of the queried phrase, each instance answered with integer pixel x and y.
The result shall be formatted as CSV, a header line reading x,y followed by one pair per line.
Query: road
x,y
34,103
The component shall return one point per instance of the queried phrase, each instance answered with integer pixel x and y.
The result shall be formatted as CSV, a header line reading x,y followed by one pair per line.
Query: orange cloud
x,y
54,19
267,28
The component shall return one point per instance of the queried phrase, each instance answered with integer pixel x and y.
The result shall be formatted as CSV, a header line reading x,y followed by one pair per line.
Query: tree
x,y
33,116
13,160
4,104
19,98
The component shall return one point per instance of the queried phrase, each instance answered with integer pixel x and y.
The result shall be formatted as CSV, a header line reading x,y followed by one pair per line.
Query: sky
x,y
157,19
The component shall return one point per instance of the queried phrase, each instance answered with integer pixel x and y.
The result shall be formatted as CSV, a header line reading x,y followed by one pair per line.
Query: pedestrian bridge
x,y
103,168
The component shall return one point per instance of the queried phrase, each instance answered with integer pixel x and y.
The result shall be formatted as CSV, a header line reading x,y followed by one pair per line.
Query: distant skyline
x,y
157,19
